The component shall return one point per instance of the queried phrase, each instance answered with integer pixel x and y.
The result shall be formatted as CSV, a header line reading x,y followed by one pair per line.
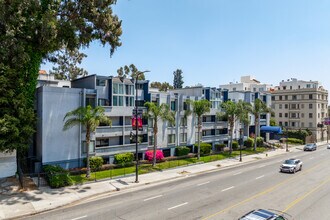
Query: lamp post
x,y
240,144
136,127
287,137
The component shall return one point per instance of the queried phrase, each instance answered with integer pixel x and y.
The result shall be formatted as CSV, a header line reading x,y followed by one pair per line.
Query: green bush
x,y
235,145
249,142
295,141
219,147
260,141
182,150
124,158
96,162
205,148
57,177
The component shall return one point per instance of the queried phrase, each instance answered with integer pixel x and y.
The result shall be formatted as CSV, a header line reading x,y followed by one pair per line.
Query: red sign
x,y
139,123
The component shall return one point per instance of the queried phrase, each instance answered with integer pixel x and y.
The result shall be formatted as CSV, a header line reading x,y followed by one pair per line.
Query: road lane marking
x,y
227,188
155,197
296,201
237,173
261,166
311,158
201,184
177,206
262,192
260,177
85,216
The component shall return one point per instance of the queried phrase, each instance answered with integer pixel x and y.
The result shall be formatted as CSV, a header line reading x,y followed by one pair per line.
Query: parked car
x,y
328,146
310,147
291,165
262,214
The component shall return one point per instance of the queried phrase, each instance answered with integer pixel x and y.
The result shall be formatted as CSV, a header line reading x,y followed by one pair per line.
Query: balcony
x,y
117,149
109,131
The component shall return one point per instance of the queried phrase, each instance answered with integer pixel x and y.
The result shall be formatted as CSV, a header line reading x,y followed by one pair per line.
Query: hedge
x,y
205,148
95,162
249,142
124,158
295,141
219,147
260,141
235,145
56,176
182,150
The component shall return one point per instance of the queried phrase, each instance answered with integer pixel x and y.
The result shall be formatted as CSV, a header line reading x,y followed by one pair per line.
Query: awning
x,y
271,129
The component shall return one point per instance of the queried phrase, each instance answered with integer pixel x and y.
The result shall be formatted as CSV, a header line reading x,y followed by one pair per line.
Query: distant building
x,y
301,104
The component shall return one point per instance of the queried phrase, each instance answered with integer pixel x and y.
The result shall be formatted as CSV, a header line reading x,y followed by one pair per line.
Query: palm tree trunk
x,y
231,140
255,132
199,139
155,144
88,171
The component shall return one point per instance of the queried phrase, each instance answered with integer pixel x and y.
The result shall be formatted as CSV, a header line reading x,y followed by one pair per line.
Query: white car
x,y
328,146
291,165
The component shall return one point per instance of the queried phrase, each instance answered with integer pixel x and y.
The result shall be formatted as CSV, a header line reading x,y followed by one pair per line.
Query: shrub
x,y
124,158
260,141
57,177
219,147
95,162
150,155
182,151
235,145
205,148
249,142
295,141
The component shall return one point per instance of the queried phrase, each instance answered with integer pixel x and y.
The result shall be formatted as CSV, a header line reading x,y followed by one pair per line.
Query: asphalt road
x,y
224,194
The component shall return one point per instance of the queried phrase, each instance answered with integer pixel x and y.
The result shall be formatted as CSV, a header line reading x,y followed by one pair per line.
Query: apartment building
x,y
117,96
300,104
248,89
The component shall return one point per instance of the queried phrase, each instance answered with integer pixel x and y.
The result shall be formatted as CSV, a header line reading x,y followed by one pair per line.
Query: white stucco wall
x,y
7,164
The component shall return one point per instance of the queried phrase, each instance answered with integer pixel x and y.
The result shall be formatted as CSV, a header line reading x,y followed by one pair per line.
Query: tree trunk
x,y
19,169
88,171
155,144
255,132
199,139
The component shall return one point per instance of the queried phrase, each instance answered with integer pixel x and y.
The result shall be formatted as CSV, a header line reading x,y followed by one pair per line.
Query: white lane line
x,y
85,216
260,177
261,166
227,188
311,158
155,197
178,206
201,184
237,173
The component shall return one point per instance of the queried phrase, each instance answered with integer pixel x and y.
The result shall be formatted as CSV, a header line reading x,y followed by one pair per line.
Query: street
x,y
224,194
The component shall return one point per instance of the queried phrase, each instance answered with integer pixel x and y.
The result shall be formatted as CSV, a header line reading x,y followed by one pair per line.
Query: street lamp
x,y
287,137
136,127
240,143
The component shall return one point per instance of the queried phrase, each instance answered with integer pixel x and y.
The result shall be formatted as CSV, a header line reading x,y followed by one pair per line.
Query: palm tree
x,y
156,113
199,108
90,118
257,108
234,112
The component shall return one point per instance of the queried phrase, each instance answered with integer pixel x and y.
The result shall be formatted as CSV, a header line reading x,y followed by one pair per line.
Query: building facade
x,y
301,104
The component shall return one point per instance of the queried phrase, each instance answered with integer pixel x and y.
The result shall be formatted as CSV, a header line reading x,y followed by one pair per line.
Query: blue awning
x,y
271,129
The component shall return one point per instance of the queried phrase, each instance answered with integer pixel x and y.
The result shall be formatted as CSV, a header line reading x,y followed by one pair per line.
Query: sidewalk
x,y
24,203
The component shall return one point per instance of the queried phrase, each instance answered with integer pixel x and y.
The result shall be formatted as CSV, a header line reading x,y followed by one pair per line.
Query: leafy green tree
x,y
130,71
178,79
199,108
156,113
258,108
29,32
67,62
90,118
165,86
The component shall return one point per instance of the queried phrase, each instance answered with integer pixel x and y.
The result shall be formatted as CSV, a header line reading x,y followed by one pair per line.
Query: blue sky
x,y
217,41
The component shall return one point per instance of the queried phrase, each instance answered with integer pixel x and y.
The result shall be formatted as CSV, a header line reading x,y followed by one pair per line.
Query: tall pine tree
x,y
178,79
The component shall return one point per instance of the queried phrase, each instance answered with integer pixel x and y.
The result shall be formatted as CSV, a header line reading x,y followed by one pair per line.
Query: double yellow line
x,y
272,189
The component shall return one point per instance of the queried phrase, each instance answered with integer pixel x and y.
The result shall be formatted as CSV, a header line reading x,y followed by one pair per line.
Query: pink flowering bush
x,y
150,155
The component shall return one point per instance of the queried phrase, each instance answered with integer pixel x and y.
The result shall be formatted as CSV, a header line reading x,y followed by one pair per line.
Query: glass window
x,y
173,105
101,142
280,106
115,101
120,101
171,138
310,96
90,101
310,115
121,89
100,82
183,137
183,122
310,106
115,88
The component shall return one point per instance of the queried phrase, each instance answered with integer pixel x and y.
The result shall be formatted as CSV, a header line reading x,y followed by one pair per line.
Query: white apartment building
x,y
300,104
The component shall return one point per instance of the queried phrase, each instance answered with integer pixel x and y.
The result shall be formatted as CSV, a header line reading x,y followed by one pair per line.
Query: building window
x,y
115,88
129,101
273,98
171,138
183,121
280,123
302,115
310,115
286,106
280,106
286,97
280,97
286,123
90,101
102,142
293,124
310,124
284,87
118,101
310,106
170,124
280,115
100,82
185,106
310,96
294,97
302,124
173,105
151,140
91,147
302,106
286,115
183,137
103,102
129,89
318,115
120,89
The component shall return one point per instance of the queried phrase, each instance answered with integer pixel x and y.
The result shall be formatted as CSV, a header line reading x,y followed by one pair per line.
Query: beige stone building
x,y
299,104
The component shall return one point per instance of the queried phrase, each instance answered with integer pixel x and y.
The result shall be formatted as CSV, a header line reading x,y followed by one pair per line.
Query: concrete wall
x,y
53,143
7,164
